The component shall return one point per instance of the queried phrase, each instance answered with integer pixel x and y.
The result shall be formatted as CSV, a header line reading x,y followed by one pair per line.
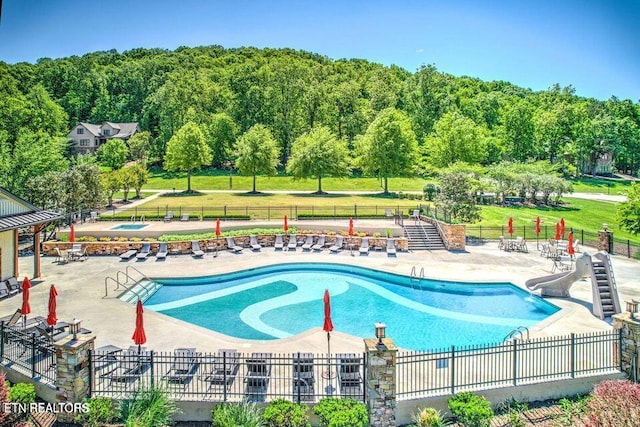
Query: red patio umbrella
x,y
537,230
350,226
26,308
218,228
52,318
72,234
286,225
328,324
510,226
557,231
562,227
139,337
570,249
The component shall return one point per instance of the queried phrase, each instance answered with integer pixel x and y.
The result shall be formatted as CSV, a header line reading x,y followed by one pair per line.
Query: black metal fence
x,y
228,376
518,362
28,353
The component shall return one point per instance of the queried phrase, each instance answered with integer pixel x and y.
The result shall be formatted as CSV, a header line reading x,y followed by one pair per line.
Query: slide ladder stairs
x,y
605,293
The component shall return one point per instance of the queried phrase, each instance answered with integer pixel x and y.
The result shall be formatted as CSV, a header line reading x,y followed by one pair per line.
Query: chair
x,y
128,254
130,366
144,252
303,377
575,245
185,217
13,285
293,242
231,244
60,258
388,213
320,244
258,376
337,246
13,319
364,246
195,249
521,244
279,244
253,242
224,369
168,217
183,367
308,243
4,290
162,251
415,215
391,247
349,376
502,243
105,356
93,216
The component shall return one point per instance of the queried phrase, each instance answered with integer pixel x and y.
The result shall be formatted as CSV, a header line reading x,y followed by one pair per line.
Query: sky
x,y
593,45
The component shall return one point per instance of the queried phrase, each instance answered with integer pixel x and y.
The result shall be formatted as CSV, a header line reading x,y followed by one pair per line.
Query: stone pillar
x,y
605,241
630,343
72,370
381,382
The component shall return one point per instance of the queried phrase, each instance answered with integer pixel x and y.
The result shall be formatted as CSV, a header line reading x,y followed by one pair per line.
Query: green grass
x,y
600,185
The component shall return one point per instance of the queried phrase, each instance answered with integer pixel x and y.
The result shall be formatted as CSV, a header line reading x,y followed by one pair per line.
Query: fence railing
x,y
227,376
518,362
28,353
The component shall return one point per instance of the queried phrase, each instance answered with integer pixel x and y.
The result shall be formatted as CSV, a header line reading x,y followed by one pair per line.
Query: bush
x,y
470,409
149,407
334,412
101,411
429,191
428,417
22,393
614,403
245,414
283,413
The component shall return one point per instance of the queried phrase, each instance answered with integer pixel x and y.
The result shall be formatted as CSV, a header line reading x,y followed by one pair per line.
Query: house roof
x,y
125,129
18,213
94,129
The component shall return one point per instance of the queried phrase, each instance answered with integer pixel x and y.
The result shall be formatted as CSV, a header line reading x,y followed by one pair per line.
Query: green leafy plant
x,y
283,413
513,408
245,414
334,412
101,411
149,407
428,417
22,393
571,408
470,409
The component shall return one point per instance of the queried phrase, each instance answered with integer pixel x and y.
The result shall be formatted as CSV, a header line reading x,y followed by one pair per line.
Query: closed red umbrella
x,y
537,230
218,228
562,229
328,325
510,226
350,226
72,234
557,231
139,337
570,249
26,308
286,225
52,318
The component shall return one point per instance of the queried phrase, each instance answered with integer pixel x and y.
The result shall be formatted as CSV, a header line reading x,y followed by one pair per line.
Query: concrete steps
x,y
423,236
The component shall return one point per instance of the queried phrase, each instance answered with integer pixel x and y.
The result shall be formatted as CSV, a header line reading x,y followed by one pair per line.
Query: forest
x,y
226,92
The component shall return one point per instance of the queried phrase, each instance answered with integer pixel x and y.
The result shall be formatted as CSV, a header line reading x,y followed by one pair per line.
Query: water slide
x,y
558,285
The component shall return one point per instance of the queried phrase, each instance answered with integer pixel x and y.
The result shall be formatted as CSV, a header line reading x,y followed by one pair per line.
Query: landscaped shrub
x,y
572,408
429,191
428,417
334,412
513,408
283,413
245,414
470,409
101,411
614,403
150,407
22,393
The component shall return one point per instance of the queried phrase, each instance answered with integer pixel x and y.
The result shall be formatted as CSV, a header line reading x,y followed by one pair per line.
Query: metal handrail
x,y
517,331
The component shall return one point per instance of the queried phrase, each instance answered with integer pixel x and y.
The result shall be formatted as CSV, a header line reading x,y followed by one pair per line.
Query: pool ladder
x,y
415,275
517,333
125,283
133,218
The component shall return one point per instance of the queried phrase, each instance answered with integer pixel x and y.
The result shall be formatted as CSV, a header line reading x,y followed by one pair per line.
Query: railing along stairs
x,y
415,276
141,288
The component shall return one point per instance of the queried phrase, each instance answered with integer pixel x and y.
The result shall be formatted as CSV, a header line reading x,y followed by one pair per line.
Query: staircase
x,y
605,294
422,236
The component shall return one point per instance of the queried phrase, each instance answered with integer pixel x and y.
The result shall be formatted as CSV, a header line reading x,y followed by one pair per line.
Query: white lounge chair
x,y
231,244
415,215
279,244
337,246
195,249
185,217
162,251
253,242
128,254
391,246
168,217
308,243
144,252
293,242
320,244
364,246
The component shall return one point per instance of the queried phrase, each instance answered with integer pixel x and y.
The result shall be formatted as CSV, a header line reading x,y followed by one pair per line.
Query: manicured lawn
x,y
600,185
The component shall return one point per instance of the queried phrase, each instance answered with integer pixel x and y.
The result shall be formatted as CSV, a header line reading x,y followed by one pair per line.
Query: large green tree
x,y
113,154
318,153
455,138
257,153
628,213
389,147
458,197
187,151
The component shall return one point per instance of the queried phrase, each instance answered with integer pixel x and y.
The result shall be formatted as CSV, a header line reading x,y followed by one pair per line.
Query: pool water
x,y
128,227
283,300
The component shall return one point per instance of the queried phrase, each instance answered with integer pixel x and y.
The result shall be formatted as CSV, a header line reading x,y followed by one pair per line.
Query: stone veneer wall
x,y
605,238
454,236
381,382
72,371
630,343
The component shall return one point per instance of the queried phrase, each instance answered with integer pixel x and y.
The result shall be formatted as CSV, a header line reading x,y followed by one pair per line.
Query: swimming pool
x,y
129,227
282,300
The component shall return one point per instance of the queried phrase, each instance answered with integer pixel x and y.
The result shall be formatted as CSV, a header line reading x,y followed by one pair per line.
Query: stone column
x,y
605,241
381,382
630,342
72,371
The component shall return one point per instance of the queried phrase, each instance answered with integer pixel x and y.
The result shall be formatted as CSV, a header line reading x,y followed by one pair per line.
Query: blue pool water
x,y
286,299
126,227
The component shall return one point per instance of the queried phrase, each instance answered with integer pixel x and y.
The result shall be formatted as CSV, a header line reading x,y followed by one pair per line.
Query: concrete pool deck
x,y
81,290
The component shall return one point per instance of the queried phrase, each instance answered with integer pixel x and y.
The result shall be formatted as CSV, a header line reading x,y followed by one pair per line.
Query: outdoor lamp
x,y
74,327
632,307
380,332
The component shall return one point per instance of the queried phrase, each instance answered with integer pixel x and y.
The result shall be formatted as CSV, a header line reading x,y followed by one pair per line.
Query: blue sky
x,y
593,45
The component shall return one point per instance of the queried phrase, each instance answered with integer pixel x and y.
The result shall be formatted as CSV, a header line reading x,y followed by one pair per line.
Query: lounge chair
x,y
13,319
195,249
338,245
231,244
93,216
224,369
185,217
105,356
391,247
320,244
279,244
162,251
168,217
349,376
308,243
144,252
293,242
258,376
183,367
388,213
364,246
13,284
303,377
415,215
4,290
128,254
253,242
130,365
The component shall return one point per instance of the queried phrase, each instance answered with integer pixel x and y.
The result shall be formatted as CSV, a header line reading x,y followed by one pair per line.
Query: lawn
x,y
600,185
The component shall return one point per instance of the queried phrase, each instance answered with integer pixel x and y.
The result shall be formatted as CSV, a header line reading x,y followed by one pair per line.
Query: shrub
x,y
428,417
101,411
245,414
470,409
283,413
614,403
429,191
334,412
148,407
22,393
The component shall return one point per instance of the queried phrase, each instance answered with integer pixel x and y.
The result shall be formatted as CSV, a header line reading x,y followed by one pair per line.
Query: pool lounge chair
x,y
224,369
184,218
338,245
258,376
144,252
13,284
105,356
183,367
253,242
415,215
308,243
195,249
231,244
364,246
293,242
5,292
279,244
128,254
391,247
388,213
13,319
168,217
320,244
303,377
130,366
349,376
162,251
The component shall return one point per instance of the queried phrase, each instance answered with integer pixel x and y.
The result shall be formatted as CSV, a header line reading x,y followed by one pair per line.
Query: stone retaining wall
x,y
453,235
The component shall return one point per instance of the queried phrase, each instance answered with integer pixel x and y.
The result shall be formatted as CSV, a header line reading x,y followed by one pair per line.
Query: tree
x,y
139,145
257,153
127,181
628,214
518,131
316,154
140,176
389,147
220,133
458,197
455,138
187,151
113,154
111,182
